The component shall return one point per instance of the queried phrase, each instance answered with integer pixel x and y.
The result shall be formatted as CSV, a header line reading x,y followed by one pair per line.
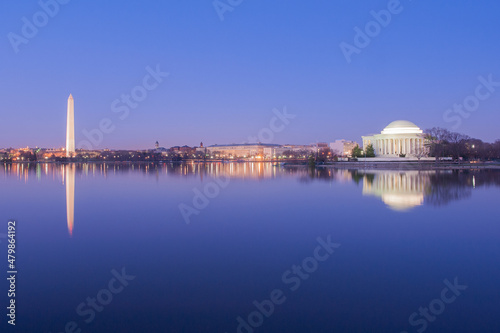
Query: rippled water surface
x,y
252,247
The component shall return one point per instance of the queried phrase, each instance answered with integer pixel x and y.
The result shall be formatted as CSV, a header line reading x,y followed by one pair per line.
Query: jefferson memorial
x,y
399,137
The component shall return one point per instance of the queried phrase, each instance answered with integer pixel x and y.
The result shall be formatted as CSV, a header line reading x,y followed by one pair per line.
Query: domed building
x,y
399,137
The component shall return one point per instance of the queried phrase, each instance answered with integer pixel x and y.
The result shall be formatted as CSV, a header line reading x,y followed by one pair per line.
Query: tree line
x,y
444,143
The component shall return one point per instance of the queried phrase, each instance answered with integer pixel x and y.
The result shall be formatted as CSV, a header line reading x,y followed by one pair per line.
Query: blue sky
x,y
226,77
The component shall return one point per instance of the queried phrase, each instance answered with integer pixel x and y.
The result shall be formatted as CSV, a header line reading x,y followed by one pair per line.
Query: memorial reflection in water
x,y
69,178
400,191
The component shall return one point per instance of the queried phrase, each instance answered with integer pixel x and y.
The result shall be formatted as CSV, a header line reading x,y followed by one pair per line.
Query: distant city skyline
x,y
178,74
74,147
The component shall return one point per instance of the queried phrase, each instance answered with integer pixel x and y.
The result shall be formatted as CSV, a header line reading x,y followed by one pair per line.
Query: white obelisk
x,y
70,130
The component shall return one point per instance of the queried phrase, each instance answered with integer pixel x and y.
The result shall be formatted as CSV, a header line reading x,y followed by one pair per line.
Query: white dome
x,y
401,127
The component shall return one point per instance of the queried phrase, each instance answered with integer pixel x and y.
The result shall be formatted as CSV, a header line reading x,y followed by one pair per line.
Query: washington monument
x,y
70,128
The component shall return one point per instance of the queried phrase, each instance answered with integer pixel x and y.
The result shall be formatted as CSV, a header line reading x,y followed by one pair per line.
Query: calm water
x,y
201,248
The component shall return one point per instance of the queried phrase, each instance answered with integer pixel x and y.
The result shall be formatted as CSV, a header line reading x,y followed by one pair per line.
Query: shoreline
x,y
383,165
411,165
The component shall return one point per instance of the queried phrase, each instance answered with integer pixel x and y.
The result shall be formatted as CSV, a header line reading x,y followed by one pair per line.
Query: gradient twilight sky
x,y
226,77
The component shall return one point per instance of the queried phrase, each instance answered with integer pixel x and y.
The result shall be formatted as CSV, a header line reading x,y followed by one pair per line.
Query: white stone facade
x,y
399,137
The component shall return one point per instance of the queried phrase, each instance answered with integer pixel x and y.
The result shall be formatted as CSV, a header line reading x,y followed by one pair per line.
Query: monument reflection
x,y
400,191
69,178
